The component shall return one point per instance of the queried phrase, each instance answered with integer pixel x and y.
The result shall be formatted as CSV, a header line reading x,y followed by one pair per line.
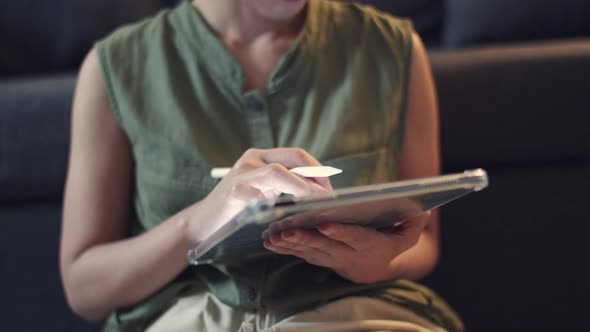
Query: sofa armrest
x,y
514,104
34,136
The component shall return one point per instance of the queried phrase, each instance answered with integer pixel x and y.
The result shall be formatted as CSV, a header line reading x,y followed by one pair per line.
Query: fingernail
x,y
275,238
318,187
326,229
288,234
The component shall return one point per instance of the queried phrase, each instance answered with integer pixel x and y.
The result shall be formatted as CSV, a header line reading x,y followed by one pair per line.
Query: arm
x,y
421,158
101,269
365,255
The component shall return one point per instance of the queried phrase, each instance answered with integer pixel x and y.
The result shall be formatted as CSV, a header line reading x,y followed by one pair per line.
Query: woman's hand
x,y
257,174
357,253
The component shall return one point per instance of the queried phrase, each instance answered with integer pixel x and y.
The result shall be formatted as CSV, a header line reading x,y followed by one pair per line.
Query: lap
x,y
204,312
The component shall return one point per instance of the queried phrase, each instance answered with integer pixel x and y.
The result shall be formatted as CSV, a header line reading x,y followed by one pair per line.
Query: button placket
x,y
254,103
258,121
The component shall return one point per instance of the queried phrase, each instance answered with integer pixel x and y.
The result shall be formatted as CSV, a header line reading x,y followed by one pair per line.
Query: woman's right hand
x,y
257,174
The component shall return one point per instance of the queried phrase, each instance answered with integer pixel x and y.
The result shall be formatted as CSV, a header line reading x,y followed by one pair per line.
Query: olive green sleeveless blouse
x,y
339,92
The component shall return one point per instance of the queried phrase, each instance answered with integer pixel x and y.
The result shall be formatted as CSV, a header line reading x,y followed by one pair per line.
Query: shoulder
x,y
363,11
134,51
359,25
136,36
361,15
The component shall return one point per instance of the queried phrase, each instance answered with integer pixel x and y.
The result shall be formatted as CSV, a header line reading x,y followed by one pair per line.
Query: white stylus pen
x,y
305,171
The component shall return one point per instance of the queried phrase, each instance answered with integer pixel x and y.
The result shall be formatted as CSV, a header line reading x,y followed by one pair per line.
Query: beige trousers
x,y
206,313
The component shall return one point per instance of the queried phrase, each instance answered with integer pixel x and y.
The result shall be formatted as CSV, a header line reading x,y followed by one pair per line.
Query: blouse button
x,y
254,103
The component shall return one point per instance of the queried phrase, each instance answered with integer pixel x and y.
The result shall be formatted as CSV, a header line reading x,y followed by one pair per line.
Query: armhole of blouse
x,y
105,68
407,53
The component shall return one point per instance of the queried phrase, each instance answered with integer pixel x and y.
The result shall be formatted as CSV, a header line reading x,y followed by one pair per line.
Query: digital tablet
x,y
378,206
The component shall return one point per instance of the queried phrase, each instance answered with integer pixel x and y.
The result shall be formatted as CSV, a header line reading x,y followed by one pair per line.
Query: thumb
x,y
416,224
409,231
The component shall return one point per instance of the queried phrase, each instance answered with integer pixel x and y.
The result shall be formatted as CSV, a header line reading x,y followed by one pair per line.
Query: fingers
x,y
354,252
310,246
414,227
267,171
323,182
262,174
357,237
302,240
361,238
289,158
312,256
274,179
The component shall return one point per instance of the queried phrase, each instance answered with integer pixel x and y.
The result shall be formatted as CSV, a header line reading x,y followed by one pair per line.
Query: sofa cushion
x,y
470,22
425,14
34,137
40,36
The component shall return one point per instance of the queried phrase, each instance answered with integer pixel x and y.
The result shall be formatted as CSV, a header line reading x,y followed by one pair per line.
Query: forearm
x,y
420,260
119,274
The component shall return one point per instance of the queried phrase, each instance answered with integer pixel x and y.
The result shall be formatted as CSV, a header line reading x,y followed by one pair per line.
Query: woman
x,y
161,102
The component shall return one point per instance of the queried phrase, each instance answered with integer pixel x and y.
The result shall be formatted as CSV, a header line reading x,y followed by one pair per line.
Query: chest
x,y
339,112
258,62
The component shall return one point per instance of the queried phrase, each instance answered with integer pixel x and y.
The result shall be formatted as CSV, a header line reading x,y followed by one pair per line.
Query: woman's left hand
x,y
360,254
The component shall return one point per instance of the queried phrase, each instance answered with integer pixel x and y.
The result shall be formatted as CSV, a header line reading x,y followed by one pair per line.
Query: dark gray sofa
x,y
514,255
